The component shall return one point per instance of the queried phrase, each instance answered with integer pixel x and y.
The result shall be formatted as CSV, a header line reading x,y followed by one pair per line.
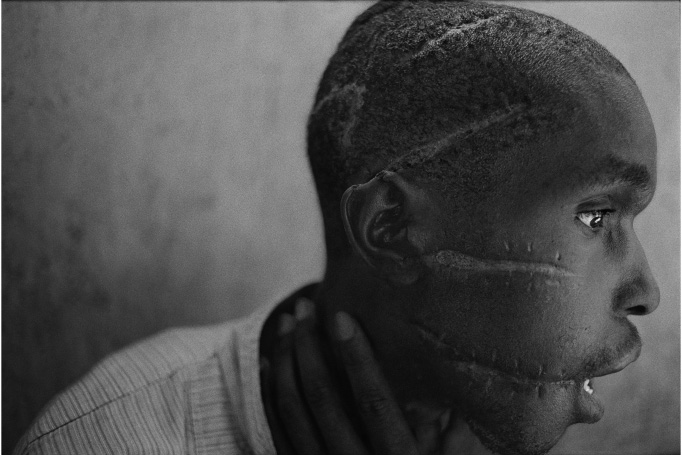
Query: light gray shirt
x,y
185,391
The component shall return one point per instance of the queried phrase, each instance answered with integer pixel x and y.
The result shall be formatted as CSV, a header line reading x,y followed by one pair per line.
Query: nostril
x,y
637,297
638,310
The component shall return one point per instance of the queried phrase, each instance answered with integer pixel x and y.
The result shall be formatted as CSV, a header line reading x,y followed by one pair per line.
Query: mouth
x,y
586,403
592,407
621,362
631,355
587,386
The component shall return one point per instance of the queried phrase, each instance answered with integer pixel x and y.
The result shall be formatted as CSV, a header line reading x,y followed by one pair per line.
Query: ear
x,y
387,224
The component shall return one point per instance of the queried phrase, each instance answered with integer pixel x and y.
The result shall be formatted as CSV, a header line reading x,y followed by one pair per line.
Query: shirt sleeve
x,y
137,401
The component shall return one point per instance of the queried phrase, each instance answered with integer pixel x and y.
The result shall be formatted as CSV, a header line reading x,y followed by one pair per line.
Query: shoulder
x,y
136,398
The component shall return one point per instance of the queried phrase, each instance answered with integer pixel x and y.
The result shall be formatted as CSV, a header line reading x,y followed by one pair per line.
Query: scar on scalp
x,y
460,261
433,149
468,365
352,96
436,43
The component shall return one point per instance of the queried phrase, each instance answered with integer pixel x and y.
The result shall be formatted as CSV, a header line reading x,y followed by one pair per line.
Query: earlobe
x,y
376,217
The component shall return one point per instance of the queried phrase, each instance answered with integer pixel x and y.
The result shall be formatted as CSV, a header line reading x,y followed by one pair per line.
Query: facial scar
x,y
470,366
455,260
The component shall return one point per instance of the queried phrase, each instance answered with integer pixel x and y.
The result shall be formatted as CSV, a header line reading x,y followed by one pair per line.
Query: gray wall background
x,y
154,175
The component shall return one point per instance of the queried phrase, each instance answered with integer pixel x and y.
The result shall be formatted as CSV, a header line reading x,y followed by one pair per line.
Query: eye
x,y
593,219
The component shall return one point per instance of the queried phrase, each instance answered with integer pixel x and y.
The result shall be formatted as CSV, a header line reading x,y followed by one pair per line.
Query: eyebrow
x,y
613,170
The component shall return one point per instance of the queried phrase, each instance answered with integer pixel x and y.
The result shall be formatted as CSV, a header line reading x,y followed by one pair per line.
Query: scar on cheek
x,y
468,363
459,261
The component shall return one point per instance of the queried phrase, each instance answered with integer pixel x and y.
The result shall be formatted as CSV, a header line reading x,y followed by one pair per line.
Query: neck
x,y
347,286
350,286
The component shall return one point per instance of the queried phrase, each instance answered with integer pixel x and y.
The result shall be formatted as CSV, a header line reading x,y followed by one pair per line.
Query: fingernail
x,y
345,327
304,308
286,324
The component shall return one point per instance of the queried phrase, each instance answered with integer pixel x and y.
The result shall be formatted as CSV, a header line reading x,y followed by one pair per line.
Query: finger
x,y
290,405
279,437
458,438
428,438
320,390
384,420
430,435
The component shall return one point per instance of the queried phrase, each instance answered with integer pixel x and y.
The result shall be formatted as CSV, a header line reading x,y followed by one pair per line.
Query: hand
x,y
304,401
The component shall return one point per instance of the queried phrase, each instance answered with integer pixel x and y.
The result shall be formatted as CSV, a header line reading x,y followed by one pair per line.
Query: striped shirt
x,y
185,391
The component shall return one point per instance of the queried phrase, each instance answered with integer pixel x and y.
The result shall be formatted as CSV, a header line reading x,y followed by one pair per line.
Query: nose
x,y
638,295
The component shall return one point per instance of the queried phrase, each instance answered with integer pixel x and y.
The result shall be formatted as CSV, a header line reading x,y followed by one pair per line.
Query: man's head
x,y
490,162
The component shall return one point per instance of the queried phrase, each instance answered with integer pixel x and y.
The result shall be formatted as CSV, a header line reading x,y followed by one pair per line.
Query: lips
x,y
591,407
630,356
617,366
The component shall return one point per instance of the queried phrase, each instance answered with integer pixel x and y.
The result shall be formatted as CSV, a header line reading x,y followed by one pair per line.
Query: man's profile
x,y
479,168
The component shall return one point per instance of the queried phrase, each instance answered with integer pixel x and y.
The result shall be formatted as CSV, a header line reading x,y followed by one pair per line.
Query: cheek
x,y
523,323
615,242
527,417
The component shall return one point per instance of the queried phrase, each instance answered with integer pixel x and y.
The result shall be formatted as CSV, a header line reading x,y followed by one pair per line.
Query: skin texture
x,y
504,340
458,262
493,262
508,339
413,82
309,414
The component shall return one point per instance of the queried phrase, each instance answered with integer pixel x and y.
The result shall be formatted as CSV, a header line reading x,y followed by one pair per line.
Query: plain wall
x,y
154,174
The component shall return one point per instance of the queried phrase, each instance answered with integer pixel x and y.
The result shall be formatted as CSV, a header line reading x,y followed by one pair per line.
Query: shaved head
x,y
446,90
479,168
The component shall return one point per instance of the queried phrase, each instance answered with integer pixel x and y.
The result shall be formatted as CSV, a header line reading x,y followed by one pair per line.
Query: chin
x,y
525,418
509,444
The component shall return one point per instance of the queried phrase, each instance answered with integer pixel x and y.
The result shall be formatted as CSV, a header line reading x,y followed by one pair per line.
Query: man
x,y
488,162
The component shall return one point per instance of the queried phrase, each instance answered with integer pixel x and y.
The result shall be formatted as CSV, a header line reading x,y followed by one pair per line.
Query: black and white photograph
x,y
342,227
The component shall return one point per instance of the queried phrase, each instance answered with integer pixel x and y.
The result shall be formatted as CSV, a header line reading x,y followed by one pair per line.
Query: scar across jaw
x,y
471,366
460,261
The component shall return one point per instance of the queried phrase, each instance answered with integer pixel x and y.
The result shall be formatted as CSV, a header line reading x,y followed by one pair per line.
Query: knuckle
x,y
373,405
356,359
